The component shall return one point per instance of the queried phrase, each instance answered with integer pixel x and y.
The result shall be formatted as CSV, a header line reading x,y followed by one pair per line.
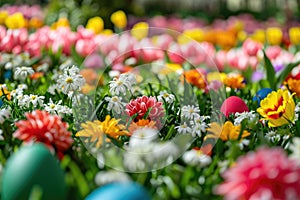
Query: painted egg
x,y
120,191
33,167
233,105
261,94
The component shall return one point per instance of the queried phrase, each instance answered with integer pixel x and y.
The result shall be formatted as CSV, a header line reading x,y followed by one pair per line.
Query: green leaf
x,y
285,72
270,71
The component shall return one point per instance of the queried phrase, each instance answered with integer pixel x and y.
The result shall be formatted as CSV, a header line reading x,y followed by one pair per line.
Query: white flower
x,y
52,89
169,98
70,80
142,136
115,103
122,84
22,73
250,116
199,125
19,90
1,138
4,114
25,100
196,158
111,176
243,143
295,149
272,136
57,109
43,67
190,111
183,128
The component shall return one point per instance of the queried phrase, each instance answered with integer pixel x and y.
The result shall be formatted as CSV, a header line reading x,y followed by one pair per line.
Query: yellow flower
x,y
293,85
294,34
235,81
242,35
140,30
195,34
216,76
62,22
170,67
15,21
107,32
95,130
119,19
3,16
259,36
95,24
278,108
226,132
274,36
35,23
4,92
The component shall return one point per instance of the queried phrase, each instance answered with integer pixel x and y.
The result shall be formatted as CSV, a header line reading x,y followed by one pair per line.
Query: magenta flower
x,y
141,105
265,174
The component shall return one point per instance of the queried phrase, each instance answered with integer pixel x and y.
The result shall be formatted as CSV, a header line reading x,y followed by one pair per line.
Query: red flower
x,y
141,106
42,127
265,174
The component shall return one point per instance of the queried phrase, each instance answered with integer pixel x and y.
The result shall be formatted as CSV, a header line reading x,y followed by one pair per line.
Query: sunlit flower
x,y
70,80
96,130
278,108
95,24
195,77
234,80
140,124
225,132
145,105
258,175
119,19
115,103
40,126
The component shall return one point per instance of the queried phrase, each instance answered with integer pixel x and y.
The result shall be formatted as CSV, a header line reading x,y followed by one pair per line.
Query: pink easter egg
x,y
233,105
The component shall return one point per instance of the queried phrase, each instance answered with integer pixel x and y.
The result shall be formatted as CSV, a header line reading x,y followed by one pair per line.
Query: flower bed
x,y
193,113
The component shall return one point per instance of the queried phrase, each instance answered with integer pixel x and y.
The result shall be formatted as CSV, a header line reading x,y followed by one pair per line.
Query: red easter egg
x,y
233,105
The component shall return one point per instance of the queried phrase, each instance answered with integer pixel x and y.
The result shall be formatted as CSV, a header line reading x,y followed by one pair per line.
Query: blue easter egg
x,y
261,94
119,191
7,74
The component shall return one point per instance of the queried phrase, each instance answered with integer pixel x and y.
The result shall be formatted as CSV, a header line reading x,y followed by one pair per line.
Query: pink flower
x,y
251,47
265,174
42,127
273,52
141,105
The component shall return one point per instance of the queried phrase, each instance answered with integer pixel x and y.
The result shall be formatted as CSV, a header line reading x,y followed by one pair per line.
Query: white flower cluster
x,y
11,61
115,103
27,100
57,108
144,153
196,158
164,95
70,80
192,122
122,84
4,114
250,116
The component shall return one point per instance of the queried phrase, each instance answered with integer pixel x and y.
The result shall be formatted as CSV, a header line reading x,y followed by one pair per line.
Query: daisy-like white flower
x,y
4,114
57,108
295,149
196,157
142,137
32,98
70,80
122,84
250,116
23,72
190,112
169,98
115,103
199,125
183,128
273,136
19,90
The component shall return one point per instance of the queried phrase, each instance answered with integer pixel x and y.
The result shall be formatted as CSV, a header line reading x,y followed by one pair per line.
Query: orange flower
x,y
35,23
37,75
195,78
235,81
89,75
293,85
140,124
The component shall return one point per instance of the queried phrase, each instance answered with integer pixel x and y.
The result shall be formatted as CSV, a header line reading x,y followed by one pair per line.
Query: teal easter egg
x,y
119,191
33,167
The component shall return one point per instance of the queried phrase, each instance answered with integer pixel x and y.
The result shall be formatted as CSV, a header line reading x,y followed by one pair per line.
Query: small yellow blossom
x,y
294,34
140,30
15,21
119,19
274,36
95,24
